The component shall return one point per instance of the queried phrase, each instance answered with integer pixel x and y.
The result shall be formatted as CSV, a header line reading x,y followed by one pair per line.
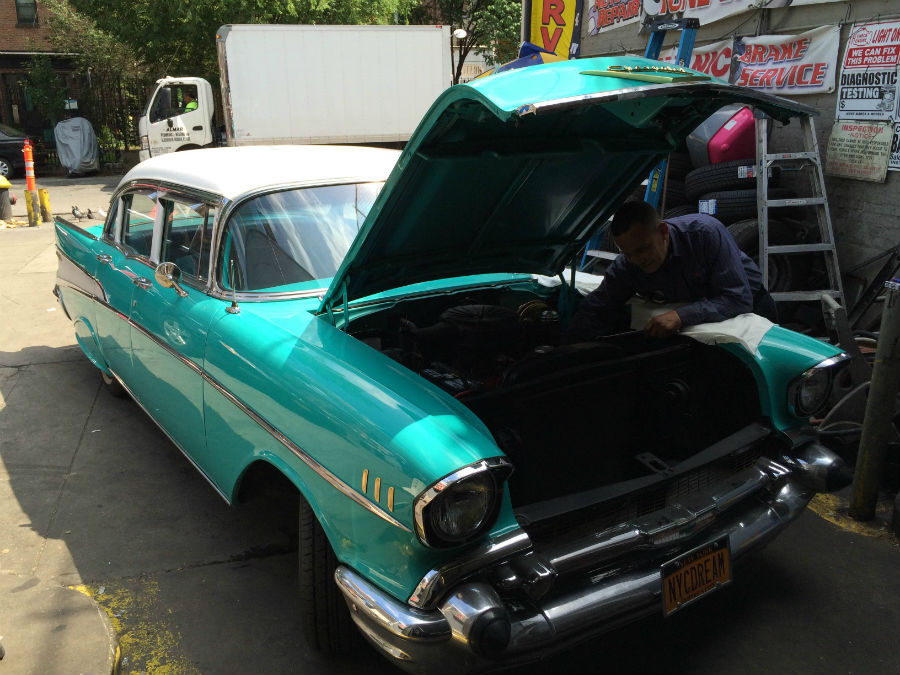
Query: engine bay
x,y
570,417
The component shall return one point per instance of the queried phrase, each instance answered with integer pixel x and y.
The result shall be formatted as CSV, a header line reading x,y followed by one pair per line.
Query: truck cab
x,y
179,116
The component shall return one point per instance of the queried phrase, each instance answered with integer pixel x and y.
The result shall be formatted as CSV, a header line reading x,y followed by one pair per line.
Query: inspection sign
x,y
859,149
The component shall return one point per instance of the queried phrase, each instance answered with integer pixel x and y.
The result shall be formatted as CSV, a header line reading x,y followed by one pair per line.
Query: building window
x,y
26,12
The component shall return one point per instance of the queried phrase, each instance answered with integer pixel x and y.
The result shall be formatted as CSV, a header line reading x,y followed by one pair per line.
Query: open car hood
x,y
514,172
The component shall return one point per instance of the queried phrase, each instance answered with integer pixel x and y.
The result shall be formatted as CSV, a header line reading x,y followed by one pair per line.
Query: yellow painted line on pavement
x,y
145,644
834,509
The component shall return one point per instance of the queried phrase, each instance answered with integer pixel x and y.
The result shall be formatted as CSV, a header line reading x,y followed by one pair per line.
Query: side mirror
x,y
169,122
168,275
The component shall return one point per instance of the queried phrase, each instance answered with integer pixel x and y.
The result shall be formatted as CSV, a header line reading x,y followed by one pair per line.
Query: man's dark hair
x,y
633,213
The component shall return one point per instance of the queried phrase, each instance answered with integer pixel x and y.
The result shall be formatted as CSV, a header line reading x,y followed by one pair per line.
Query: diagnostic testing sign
x,y
868,82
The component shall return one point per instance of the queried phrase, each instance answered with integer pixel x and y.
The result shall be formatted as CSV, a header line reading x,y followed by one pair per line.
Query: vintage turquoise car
x,y
378,327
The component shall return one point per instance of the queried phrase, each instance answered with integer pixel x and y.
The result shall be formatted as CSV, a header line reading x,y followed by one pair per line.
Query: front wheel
x,y
6,169
327,625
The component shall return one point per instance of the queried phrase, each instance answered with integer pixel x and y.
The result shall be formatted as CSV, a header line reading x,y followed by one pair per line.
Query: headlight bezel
x,y
493,470
824,369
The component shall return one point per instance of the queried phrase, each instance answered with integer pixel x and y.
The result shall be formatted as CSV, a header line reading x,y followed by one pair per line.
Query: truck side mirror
x,y
169,122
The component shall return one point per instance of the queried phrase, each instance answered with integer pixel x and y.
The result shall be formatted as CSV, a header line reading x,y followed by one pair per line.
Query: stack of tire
x,y
733,188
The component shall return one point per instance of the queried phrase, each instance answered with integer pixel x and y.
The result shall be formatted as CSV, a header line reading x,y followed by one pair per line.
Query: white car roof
x,y
231,172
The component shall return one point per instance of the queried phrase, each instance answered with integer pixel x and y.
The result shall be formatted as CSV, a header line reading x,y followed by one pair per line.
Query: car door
x,y
123,264
169,326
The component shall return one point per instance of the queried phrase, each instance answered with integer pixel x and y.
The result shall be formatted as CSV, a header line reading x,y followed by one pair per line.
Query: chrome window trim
x,y
428,495
301,454
437,581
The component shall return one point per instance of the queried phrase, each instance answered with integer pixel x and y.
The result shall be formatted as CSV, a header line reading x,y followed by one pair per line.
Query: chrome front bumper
x,y
474,629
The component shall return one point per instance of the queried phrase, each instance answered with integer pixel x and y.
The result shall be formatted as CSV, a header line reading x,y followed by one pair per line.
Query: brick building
x,y
23,34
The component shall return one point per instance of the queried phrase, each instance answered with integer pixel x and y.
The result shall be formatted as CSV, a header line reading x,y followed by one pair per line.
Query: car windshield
x,y
9,131
294,236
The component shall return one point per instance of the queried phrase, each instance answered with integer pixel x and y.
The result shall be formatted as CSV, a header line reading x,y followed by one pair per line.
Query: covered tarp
x,y
529,55
76,145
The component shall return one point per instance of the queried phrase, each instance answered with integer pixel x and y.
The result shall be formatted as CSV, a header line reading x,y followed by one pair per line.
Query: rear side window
x,y
186,236
137,222
290,237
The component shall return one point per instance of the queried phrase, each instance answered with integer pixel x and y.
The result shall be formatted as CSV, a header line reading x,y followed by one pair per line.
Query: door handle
x,y
142,282
198,128
105,259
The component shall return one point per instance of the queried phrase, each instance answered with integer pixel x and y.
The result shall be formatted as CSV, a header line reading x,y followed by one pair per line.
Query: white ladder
x,y
809,156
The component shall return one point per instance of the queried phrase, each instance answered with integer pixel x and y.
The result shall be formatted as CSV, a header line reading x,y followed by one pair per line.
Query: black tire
x,y
327,625
112,385
679,165
783,269
736,205
6,167
680,210
723,176
675,194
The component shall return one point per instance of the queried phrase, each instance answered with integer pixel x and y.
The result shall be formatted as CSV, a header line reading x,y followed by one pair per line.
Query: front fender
x,y
383,432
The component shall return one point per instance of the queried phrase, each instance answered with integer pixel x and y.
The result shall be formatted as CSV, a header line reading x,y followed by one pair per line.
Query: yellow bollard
x,y
46,213
31,204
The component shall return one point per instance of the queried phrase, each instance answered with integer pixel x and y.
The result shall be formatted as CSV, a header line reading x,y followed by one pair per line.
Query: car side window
x,y
137,222
187,236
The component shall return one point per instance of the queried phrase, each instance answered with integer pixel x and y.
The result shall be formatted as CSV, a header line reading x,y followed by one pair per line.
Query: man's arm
x,y
603,308
729,293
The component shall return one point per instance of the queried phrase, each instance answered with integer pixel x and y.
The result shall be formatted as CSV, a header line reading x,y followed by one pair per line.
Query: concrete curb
x,y
48,628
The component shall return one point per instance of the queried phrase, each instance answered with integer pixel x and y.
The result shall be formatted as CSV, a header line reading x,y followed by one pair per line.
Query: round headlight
x,y
812,391
460,510
462,505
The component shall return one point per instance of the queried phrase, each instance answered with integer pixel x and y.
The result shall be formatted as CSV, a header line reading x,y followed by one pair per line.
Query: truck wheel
x,y
327,625
112,385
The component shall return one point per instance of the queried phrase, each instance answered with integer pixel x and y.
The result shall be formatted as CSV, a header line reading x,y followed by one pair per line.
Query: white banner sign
x,y
605,15
713,59
709,11
868,83
788,65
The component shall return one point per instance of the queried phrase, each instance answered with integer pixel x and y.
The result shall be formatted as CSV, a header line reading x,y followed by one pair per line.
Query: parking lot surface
x,y
117,555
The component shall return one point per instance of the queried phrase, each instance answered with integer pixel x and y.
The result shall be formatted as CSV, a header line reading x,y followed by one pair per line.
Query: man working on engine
x,y
690,259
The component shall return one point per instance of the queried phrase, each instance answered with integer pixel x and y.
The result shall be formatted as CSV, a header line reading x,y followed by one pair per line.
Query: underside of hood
x,y
514,173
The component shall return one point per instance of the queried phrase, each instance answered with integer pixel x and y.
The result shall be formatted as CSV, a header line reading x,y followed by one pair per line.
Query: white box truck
x,y
304,84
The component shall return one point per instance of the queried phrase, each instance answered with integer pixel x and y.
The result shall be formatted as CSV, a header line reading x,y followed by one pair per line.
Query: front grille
x,y
602,516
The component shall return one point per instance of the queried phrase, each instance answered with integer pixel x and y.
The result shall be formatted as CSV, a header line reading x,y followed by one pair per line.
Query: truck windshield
x,y
293,236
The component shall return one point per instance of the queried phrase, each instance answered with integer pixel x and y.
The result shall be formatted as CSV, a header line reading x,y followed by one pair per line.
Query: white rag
x,y
746,329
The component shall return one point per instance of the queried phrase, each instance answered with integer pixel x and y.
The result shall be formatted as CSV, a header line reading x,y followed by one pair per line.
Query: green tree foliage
x,y
492,27
45,88
114,76
179,38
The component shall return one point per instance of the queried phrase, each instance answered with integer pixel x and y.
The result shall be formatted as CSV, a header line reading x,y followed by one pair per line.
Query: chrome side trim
x,y
301,454
438,581
75,228
174,442
73,283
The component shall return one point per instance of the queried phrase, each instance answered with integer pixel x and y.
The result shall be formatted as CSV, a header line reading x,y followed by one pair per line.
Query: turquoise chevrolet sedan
x,y
383,329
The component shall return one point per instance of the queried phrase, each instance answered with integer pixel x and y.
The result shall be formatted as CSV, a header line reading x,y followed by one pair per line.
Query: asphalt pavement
x,y
115,554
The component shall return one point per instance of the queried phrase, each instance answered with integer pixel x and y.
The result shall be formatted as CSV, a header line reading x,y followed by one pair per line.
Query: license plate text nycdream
x,y
695,574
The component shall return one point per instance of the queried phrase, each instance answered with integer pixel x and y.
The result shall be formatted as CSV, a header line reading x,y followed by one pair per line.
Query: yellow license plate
x,y
695,574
